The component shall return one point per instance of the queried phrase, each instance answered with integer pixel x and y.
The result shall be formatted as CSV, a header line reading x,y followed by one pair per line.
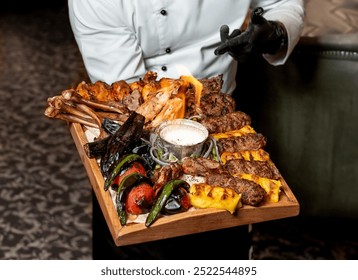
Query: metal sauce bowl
x,y
183,137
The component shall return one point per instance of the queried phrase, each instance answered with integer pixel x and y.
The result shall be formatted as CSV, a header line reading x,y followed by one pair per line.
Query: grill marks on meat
x,y
251,193
213,101
217,104
200,166
216,175
228,122
166,173
249,141
259,168
212,85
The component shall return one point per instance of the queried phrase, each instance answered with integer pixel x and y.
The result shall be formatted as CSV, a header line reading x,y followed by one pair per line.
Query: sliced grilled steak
x,y
259,168
252,193
228,122
250,141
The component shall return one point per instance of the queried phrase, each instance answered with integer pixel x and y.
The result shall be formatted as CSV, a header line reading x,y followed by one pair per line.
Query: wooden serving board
x,y
195,221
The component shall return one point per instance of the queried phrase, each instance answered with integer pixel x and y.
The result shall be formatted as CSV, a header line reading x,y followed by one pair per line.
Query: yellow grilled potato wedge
x,y
206,196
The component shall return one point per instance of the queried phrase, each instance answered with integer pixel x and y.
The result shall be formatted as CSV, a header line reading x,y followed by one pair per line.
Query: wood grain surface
x,y
192,221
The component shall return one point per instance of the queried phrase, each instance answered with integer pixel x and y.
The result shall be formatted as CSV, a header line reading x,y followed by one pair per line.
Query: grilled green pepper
x,y
162,199
125,161
129,182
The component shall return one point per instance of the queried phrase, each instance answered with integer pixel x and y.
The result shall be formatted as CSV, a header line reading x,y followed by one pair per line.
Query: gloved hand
x,y
261,36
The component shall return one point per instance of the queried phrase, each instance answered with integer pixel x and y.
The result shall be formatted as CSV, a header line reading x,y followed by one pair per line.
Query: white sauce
x,y
184,135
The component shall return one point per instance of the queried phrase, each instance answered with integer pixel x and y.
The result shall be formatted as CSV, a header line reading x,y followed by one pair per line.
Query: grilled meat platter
x,y
233,170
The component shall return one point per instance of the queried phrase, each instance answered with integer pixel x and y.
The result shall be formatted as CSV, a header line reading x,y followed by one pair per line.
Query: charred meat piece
x,y
229,122
152,106
133,100
259,168
250,141
252,193
165,174
200,166
215,175
120,89
212,85
190,103
217,104
98,91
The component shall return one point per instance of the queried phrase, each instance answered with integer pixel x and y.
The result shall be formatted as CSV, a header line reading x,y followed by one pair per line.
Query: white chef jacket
x,y
122,39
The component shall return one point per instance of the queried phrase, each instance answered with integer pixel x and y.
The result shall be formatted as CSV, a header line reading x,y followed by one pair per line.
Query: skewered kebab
x,y
216,175
227,122
259,168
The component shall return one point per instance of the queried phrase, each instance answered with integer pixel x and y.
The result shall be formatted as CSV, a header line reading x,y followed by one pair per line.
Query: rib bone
x,y
109,106
54,113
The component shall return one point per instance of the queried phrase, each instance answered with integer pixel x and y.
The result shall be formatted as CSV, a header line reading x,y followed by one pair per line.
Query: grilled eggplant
x,y
120,142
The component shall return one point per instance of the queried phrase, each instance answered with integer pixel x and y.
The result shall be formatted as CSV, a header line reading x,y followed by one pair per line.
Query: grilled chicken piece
x,y
169,112
228,122
120,90
151,108
99,91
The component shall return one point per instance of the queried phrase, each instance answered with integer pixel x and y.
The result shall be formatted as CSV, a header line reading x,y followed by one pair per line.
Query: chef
x,y
122,40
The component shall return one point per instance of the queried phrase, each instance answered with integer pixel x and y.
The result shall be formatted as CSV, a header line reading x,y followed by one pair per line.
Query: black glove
x,y
261,36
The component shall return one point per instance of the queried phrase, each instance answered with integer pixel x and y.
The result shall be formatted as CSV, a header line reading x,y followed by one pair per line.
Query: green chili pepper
x,y
124,162
128,182
163,197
